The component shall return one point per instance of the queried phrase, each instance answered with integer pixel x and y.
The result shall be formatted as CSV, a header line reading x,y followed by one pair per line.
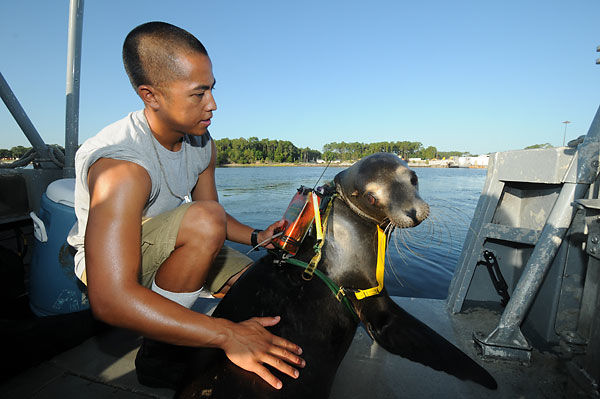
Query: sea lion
x,y
380,190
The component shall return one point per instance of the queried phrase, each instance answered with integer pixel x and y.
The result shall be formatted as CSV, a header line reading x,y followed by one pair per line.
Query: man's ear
x,y
149,95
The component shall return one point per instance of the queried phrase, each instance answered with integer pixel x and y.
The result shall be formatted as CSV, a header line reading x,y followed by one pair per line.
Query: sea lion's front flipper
x,y
402,334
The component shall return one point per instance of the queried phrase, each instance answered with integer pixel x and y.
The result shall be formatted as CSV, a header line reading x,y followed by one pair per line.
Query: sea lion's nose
x,y
412,214
417,215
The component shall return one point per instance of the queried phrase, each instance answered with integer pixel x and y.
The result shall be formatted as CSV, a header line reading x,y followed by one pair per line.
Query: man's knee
x,y
205,223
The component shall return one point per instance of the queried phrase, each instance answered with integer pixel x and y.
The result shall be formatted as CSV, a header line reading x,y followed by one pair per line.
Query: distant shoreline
x,y
312,164
255,165
306,164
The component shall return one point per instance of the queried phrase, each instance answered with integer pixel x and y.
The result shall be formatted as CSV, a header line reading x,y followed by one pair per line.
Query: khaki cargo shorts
x,y
159,234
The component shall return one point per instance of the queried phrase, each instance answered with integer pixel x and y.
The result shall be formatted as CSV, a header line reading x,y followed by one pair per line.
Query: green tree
x,y
449,154
222,157
252,150
428,153
5,153
545,145
19,151
329,156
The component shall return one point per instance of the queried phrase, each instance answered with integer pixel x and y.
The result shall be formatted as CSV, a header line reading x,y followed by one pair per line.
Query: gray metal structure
x,y
24,186
73,74
539,214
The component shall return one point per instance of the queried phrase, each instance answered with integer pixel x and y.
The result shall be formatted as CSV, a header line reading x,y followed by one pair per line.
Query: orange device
x,y
298,218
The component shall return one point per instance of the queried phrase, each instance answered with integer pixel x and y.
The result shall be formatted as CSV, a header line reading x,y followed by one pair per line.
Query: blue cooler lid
x,y
62,192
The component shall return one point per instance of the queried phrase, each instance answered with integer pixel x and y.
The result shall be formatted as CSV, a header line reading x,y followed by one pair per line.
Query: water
x,y
420,261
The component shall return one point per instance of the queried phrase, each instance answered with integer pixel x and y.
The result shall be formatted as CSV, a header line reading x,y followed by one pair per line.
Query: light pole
x,y
565,135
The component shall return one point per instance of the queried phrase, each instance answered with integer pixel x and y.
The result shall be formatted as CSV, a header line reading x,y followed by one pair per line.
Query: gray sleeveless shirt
x,y
173,174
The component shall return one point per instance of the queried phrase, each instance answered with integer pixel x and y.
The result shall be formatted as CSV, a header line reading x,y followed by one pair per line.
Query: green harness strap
x,y
339,292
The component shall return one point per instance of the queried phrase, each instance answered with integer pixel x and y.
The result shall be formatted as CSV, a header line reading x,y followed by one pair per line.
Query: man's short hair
x,y
150,52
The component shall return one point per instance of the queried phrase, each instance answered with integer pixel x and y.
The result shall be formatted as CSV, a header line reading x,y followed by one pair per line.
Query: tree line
x,y
14,153
405,149
253,150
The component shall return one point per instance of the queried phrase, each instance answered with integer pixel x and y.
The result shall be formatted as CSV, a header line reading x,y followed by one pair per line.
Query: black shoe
x,y
160,365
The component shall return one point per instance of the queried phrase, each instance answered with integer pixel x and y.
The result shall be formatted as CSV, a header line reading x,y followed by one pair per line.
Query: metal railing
x,y
45,156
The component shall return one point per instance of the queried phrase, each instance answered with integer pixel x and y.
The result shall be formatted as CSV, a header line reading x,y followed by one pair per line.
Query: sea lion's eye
x,y
371,198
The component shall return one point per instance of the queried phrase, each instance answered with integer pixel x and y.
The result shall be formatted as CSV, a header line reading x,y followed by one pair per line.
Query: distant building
x,y
474,162
442,163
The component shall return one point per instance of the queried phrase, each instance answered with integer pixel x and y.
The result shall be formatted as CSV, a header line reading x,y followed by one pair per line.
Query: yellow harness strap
x,y
315,204
381,243
321,229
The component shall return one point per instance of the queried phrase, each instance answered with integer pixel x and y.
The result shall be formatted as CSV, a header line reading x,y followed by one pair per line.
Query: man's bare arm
x,y
118,193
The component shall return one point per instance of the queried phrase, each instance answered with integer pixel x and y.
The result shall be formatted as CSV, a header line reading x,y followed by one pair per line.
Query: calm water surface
x,y
420,260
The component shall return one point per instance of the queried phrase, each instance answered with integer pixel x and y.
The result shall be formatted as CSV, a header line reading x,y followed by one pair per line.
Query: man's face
x,y
187,104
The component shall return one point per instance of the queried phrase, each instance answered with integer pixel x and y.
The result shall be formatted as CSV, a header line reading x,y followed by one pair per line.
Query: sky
x,y
465,75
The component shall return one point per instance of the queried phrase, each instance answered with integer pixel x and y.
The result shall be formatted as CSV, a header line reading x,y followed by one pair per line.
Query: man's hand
x,y
268,233
250,346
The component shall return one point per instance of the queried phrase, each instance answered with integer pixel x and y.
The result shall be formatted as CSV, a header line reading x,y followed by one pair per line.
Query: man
x,y
150,230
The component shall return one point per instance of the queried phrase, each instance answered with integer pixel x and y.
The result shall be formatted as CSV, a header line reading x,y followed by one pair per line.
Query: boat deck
x,y
103,367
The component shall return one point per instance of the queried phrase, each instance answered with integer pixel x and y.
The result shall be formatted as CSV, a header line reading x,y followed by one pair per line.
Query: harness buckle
x,y
340,294
306,275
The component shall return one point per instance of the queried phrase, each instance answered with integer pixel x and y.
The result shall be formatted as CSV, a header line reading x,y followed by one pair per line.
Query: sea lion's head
x,y
382,188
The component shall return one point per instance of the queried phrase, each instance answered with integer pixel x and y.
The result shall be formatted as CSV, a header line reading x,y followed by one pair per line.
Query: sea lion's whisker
x,y
436,234
412,238
456,213
398,248
408,247
393,270
446,228
389,229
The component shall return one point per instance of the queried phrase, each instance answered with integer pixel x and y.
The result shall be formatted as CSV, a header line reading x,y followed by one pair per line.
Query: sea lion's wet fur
x,y
311,316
